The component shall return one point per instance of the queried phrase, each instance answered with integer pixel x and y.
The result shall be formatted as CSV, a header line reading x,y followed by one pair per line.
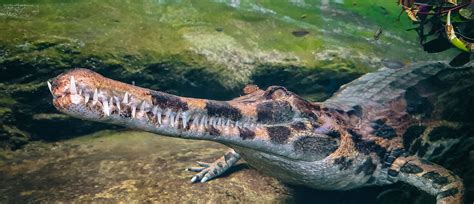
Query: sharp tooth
x,y
204,120
95,98
158,115
219,122
134,111
195,120
237,124
49,86
105,108
86,98
125,98
80,91
227,123
111,102
167,116
185,123
117,103
171,119
72,86
210,120
176,118
96,95
154,110
201,121
185,117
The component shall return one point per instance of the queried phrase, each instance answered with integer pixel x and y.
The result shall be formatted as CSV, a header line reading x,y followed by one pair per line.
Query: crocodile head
x,y
272,120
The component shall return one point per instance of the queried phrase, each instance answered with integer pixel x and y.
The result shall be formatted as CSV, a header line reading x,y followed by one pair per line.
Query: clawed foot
x,y
209,171
206,171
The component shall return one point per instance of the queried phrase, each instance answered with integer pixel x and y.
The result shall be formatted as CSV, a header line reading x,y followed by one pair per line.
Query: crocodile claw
x,y
208,171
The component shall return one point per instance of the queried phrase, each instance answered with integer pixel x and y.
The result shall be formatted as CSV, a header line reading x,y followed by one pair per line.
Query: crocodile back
x,y
424,108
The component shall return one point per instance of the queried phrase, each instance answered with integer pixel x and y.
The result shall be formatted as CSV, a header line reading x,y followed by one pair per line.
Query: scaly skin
x,y
376,130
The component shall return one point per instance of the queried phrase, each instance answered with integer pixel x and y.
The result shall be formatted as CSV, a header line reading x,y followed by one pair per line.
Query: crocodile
x,y
379,129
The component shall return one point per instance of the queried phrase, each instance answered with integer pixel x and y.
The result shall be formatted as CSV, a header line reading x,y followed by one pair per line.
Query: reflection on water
x,y
235,3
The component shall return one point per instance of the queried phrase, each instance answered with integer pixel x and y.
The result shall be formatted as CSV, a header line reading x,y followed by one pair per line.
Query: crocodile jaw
x,y
248,121
87,95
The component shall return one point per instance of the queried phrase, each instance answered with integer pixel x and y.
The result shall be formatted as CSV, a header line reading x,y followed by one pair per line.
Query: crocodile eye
x,y
279,94
276,92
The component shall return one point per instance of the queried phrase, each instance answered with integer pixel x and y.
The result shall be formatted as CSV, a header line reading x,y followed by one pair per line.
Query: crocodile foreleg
x,y
209,171
429,177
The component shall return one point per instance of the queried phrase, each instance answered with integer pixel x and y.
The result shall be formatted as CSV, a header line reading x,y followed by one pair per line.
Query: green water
x,y
207,49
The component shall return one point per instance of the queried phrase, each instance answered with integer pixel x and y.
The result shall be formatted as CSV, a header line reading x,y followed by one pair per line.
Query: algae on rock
x,y
184,48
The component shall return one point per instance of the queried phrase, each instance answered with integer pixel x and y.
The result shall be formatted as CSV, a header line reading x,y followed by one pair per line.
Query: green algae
x,y
183,48
170,46
151,31
4,111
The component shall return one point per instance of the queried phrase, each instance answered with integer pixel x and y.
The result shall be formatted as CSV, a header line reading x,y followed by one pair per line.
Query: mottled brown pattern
x,y
223,109
446,186
377,129
246,133
164,101
279,134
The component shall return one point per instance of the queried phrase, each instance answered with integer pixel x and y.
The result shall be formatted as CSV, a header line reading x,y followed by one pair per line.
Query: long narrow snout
x,y
267,120
88,95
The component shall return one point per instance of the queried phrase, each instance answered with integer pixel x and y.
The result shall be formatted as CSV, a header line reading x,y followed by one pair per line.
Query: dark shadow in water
x,y
392,194
303,81
235,168
389,194
181,79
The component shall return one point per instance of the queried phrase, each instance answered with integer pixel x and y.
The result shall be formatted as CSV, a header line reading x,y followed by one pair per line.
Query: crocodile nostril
x,y
250,88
